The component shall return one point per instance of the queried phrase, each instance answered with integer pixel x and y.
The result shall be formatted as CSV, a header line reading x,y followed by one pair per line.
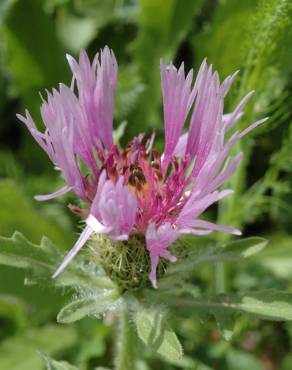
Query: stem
x,y
124,349
220,278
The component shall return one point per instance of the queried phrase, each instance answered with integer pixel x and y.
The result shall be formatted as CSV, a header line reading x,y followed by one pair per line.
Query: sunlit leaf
x,y
56,365
95,306
155,333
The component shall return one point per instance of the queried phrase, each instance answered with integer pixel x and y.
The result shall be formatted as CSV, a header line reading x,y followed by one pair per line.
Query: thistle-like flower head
x,y
136,191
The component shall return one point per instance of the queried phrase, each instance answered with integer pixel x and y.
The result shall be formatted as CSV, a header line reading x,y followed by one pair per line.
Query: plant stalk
x,y
124,359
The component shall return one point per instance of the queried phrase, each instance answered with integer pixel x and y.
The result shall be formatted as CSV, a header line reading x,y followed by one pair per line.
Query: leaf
x,y
267,304
38,55
224,33
168,22
129,90
56,365
75,32
231,252
20,352
15,309
80,308
41,262
225,323
155,333
278,257
17,213
242,361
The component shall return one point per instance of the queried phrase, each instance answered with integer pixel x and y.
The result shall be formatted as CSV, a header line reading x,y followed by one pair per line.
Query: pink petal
x,y
84,236
177,101
56,194
157,240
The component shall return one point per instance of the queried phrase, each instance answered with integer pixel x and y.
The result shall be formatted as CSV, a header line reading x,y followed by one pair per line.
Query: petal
x,y
56,194
252,127
177,101
96,226
157,240
84,236
180,148
115,207
214,227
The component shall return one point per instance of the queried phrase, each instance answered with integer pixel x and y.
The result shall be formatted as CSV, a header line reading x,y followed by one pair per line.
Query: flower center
x,y
160,192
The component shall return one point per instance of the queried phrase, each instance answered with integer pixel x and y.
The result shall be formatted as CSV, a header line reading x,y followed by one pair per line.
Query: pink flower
x,y
136,190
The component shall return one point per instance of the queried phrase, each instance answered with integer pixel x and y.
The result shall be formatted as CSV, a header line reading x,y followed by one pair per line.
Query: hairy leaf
x,y
95,305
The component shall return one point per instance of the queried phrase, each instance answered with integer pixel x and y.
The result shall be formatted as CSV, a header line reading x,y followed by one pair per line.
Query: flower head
x,y
136,191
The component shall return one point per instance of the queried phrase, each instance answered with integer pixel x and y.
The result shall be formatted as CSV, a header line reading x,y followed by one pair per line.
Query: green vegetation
x,y
232,309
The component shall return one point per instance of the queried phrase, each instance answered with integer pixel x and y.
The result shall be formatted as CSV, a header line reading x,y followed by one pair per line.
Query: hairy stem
x,y
124,359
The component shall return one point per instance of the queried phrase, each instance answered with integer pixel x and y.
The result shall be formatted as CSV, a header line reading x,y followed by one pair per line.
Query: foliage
x,y
232,307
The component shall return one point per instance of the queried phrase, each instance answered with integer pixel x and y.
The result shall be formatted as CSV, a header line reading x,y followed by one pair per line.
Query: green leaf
x,y
225,322
224,33
17,213
231,252
156,334
168,22
243,361
75,32
56,365
243,248
95,305
129,90
20,352
277,258
15,309
40,262
267,304
38,55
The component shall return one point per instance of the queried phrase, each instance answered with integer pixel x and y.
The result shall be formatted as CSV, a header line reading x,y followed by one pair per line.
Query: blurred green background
x,y
252,36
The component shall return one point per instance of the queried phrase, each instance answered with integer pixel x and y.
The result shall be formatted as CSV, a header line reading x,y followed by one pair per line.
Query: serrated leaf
x,y
56,365
40,262
156,334
95,305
